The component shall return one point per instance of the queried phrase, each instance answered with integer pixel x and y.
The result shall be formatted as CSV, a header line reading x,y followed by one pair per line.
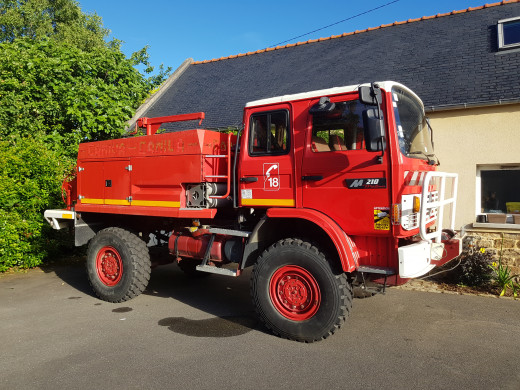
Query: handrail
x,y
440,203
228,176
153,124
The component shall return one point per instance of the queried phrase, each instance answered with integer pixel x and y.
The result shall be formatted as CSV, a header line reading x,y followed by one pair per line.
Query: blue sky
x,y
203,30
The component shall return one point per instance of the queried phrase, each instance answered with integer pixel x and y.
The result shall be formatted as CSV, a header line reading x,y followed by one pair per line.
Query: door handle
x,y
249,179
312,178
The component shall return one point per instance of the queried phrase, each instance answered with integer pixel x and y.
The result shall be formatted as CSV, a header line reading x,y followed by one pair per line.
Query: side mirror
x,y
368,95
374,130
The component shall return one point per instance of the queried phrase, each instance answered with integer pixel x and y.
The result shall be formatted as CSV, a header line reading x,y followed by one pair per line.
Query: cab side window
x,y
339,129
269,133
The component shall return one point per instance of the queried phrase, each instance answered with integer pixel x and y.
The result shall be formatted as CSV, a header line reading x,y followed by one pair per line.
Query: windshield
x,y
414,134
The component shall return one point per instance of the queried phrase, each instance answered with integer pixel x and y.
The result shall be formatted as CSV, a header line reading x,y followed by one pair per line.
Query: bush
x,y
61,84
20,242
68,94
30,181
474,269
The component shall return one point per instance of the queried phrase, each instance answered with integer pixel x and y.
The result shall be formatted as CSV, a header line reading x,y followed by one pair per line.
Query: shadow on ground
x,y
225,298
72,271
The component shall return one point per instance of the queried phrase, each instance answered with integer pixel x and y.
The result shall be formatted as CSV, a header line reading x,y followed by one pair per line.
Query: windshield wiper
x,y
430,161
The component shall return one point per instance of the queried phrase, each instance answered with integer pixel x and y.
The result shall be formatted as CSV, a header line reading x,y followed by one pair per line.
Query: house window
x,y
509,33
269,133
499,189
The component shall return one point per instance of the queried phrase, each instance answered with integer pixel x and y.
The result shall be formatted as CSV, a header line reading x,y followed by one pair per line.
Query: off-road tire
x,y
118,265
297,293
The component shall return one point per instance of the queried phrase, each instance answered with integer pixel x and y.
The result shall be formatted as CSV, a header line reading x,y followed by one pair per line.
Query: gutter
x,y
461,106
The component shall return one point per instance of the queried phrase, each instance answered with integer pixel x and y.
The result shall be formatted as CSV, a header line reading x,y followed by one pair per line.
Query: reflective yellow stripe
x,y
92,201
66,216
117,202
124,202
268,202
155,203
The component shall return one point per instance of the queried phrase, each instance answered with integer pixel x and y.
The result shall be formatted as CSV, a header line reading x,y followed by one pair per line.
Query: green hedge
x,y
30,181
68,94
61,84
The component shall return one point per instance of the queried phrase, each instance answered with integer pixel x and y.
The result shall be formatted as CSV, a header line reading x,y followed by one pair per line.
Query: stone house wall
x,y
507,244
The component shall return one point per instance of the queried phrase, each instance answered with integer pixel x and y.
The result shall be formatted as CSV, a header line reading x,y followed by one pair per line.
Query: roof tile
x,y
367,30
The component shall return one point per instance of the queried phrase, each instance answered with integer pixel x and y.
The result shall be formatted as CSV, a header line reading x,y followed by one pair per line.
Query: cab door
x,y
266,170
339,176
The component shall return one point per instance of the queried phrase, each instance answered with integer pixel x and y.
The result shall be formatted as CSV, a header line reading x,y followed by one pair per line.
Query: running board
x,y
367,269
230,232
376,270
219,271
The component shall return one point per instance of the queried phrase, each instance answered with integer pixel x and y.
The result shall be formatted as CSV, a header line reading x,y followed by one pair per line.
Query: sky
x,y
204,30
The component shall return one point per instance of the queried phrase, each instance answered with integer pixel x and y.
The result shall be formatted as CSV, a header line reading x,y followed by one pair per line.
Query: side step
x,y
376,270
368,269
215,270
229,232
204,267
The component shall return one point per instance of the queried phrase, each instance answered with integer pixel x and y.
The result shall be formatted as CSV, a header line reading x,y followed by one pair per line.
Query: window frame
x,y
500,27
313,131
478,192
287,149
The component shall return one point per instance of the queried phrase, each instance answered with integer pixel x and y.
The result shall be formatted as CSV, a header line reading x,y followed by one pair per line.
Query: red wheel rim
x,y
109,266
295,293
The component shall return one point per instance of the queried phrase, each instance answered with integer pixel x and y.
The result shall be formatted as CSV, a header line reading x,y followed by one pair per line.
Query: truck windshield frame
x,y
413,133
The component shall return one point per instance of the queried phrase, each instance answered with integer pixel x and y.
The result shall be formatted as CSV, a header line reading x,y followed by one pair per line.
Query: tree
x,y
60,20
30,178
66,93
60,84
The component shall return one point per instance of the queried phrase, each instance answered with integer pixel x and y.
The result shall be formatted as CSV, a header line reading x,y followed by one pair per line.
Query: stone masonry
x,y
507,244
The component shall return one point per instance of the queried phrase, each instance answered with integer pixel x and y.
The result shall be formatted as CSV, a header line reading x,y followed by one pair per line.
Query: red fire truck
x,y
318,192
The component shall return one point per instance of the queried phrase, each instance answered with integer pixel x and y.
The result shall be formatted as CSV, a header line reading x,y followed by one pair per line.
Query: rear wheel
x,y
296,292
118,265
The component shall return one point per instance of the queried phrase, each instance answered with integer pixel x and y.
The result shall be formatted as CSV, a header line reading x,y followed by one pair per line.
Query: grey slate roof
x,y
450,59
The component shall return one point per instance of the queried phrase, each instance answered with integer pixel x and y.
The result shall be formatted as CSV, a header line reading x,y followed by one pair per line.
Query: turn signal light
x,y
396,214
416,204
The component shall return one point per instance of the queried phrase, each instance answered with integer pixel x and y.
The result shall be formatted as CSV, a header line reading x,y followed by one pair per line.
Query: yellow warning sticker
x,y
381,218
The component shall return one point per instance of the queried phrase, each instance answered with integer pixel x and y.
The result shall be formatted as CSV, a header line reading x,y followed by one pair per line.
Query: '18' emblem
x,y
271,176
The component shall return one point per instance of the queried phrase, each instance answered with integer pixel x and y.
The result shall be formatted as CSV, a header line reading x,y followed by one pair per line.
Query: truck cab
x,y
365,162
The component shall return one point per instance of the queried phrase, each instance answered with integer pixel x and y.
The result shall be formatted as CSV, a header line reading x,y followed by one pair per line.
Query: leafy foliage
x,y
474,268
503,275
30,179
141,57
69,94
504,278
60,84
60,20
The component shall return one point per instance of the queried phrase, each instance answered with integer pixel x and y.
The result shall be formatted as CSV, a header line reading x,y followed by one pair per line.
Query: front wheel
x,y
296,292
118,265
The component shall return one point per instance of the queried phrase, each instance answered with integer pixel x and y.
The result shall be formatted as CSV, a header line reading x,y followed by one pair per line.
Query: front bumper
x,y
419,258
